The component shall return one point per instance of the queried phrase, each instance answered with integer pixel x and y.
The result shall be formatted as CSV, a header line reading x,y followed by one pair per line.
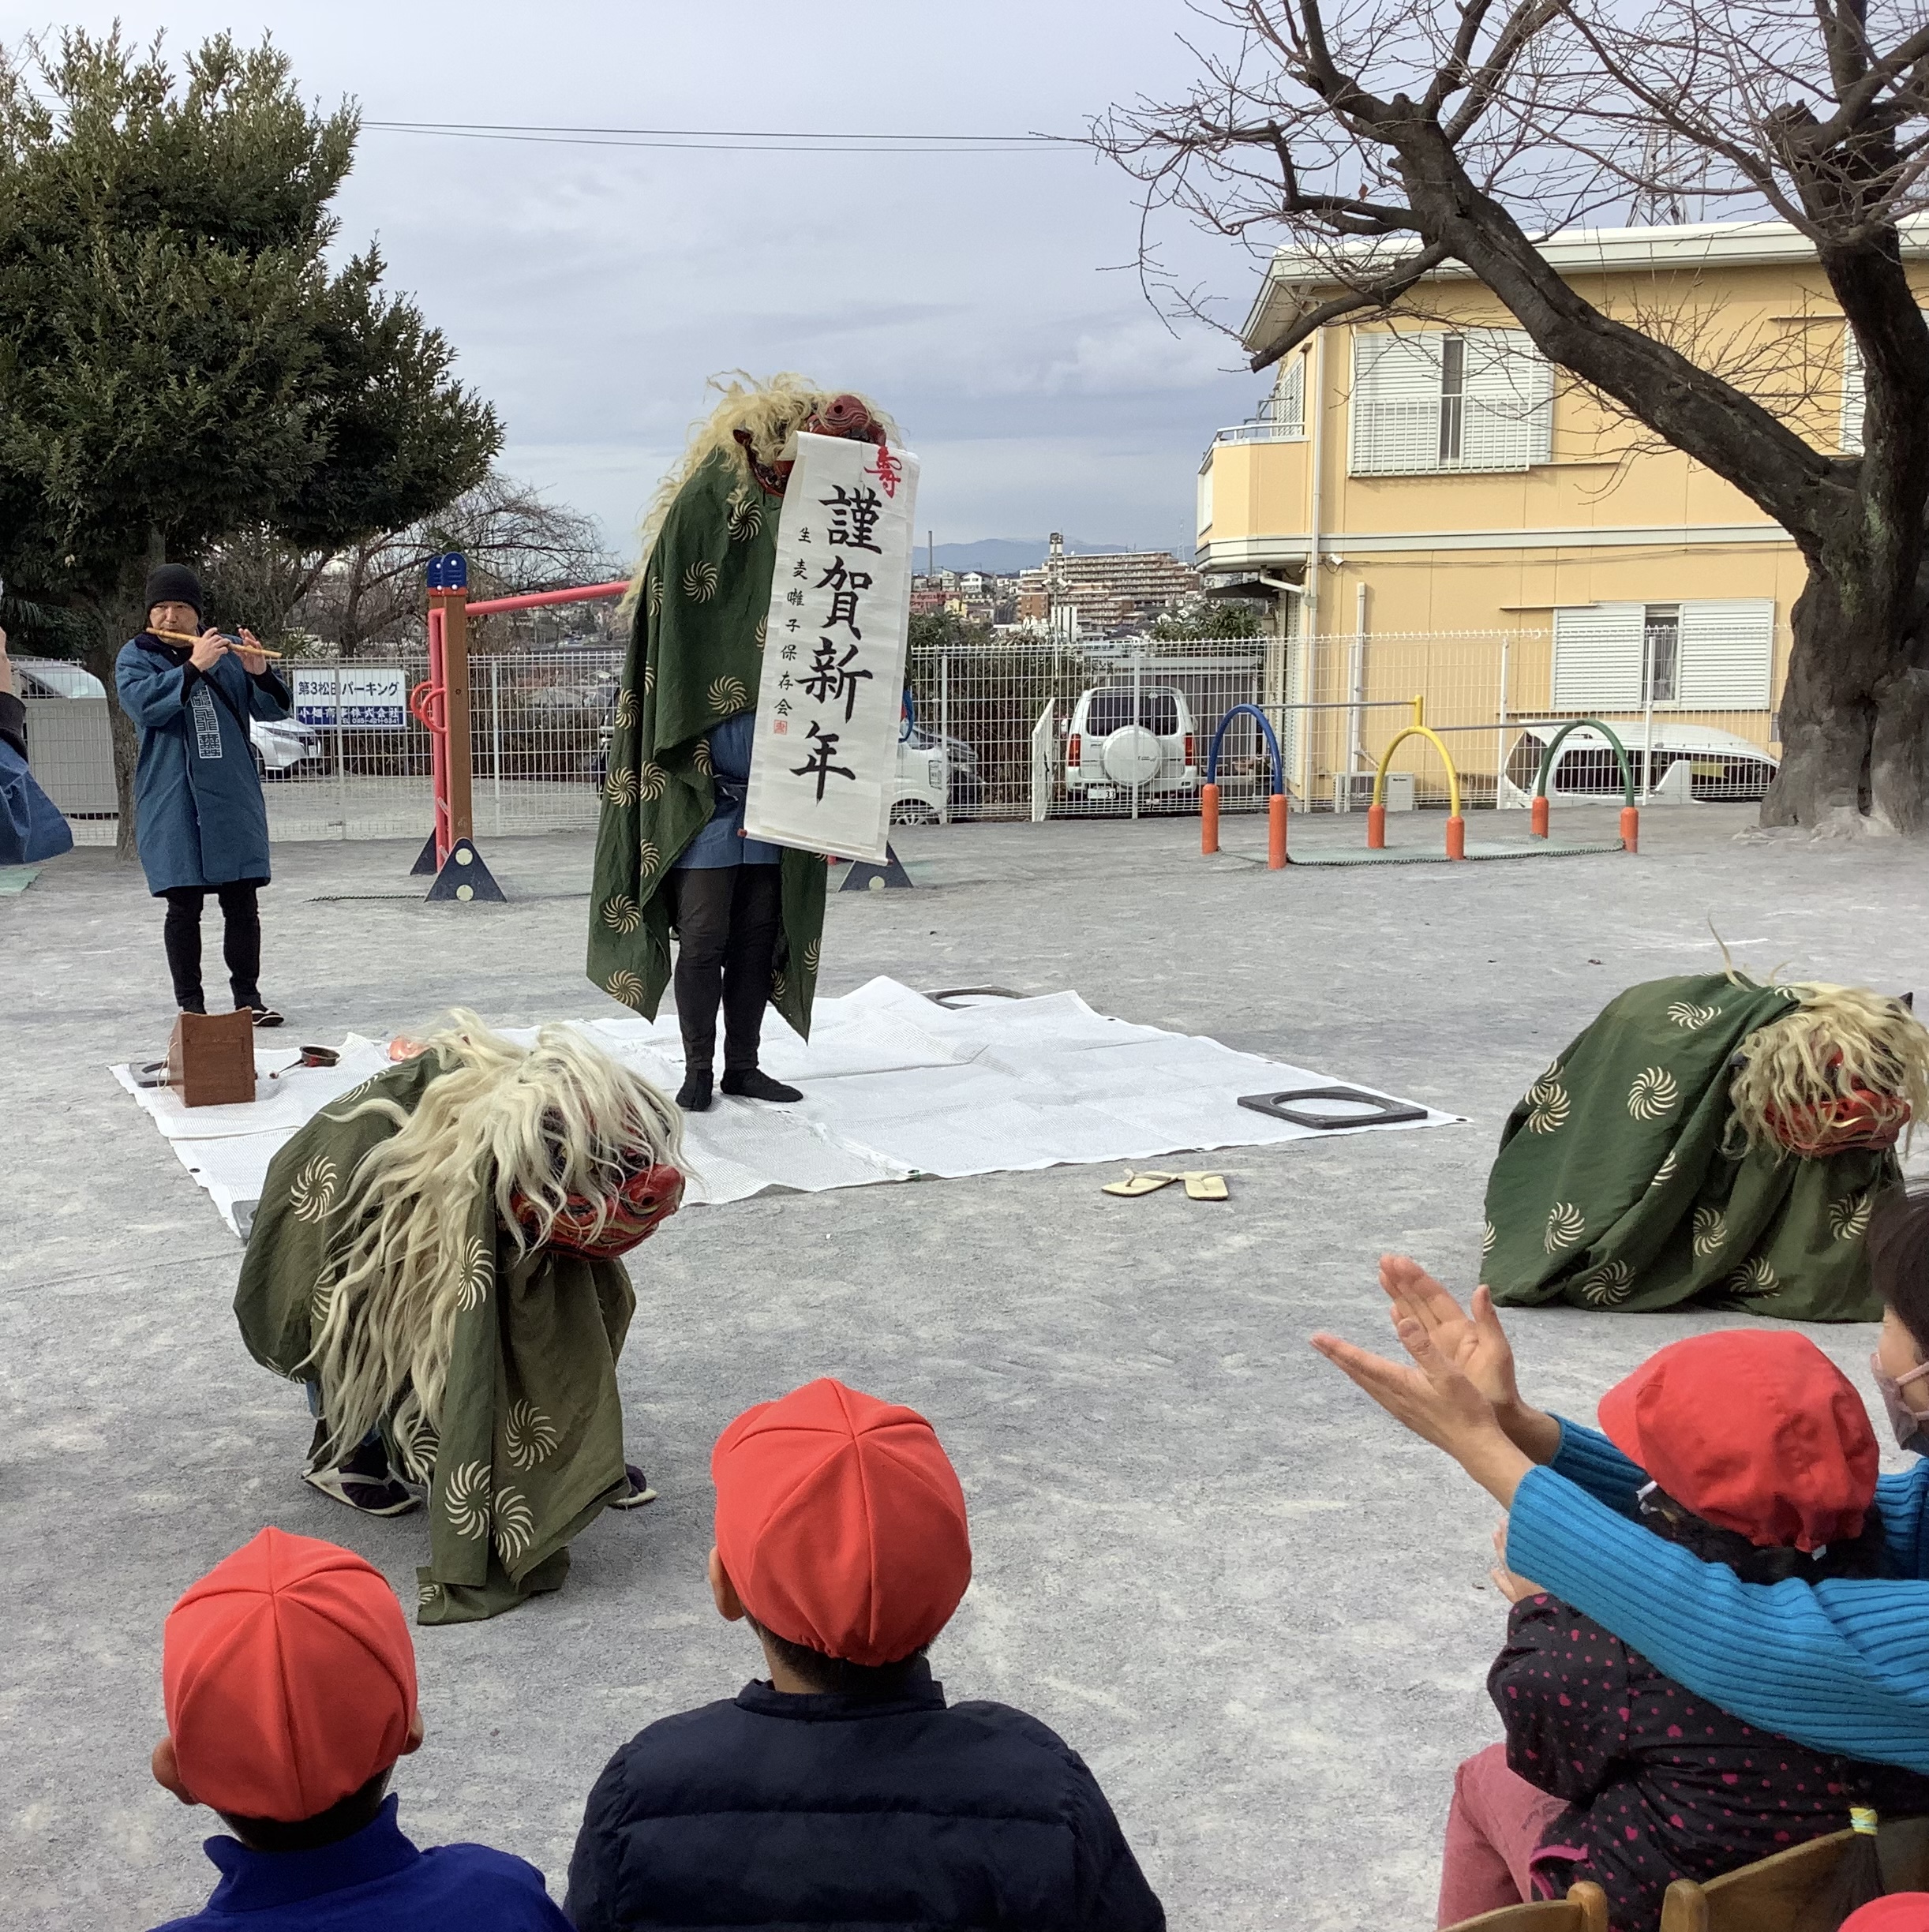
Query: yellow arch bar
x,y
1432,738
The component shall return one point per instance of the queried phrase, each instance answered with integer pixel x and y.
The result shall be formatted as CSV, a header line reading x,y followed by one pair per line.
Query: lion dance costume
x,y
673,798
436,1254
1711,1139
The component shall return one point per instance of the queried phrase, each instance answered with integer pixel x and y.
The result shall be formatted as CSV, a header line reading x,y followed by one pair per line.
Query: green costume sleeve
x,y
1614,1187
530,1443
695,658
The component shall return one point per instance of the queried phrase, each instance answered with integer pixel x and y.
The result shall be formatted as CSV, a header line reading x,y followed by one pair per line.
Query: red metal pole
x,y
1456,836
1376,827
437,696
536,599
1539,826
1275,832
1209,818
1631,828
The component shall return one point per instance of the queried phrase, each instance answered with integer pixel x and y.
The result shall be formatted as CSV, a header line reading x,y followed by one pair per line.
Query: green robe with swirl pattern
x,y
531,1444
695,658
1618,1184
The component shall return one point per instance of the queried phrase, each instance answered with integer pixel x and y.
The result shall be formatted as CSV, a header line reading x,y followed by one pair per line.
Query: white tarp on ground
x,y
894,1085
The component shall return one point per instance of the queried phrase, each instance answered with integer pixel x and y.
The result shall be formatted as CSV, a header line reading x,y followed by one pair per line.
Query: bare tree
x,y
1390,138
372,593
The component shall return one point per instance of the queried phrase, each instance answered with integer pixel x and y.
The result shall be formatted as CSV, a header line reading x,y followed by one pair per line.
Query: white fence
x,y
1025,728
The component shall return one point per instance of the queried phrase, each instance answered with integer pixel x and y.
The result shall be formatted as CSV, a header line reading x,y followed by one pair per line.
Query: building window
x,y
1707,654
1287,406
1662,628
1435,400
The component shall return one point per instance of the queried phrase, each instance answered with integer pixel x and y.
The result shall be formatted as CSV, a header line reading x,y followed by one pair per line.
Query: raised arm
x,y
151,691
1842,1665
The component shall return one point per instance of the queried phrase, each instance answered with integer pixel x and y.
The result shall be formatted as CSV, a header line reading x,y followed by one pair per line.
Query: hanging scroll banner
x,y
823,772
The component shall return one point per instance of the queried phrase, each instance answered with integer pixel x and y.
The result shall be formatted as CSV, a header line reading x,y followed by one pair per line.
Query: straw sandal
x,y
1135,1185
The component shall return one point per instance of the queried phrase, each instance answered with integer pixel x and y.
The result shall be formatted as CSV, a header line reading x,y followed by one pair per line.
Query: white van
x,y
1693,764
1110,752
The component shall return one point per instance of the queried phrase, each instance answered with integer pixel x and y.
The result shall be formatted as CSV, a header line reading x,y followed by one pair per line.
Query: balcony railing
x,y
1260,433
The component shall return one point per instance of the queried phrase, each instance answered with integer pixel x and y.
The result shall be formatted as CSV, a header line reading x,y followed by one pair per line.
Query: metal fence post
x,y
1138,706
1499,738
944,736
495,735
341,755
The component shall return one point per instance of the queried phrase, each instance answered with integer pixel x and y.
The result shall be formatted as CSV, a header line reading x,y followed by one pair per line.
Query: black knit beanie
x,y
174,583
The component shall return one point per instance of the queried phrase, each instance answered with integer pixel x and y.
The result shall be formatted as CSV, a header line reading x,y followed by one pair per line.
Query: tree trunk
x,y
126,740
1855,717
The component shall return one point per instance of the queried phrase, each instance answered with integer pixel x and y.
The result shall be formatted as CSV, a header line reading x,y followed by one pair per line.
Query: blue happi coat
x,y
198,810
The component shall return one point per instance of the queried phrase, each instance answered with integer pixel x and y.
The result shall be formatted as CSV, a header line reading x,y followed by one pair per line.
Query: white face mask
x,y
1911,1430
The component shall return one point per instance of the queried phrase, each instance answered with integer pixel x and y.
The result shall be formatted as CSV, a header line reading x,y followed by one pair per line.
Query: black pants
x,y
240,942
728,919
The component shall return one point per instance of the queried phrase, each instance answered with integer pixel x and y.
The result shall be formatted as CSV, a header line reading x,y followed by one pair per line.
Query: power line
x,y
731,140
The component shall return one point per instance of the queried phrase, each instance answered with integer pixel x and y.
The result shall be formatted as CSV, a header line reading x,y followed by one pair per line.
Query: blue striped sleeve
x,y
1588,1459
1842,1665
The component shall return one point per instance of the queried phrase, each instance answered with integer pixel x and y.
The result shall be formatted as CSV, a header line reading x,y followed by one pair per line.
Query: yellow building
x,y
1432,508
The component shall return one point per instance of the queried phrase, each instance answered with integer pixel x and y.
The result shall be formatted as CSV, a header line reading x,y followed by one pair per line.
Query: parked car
x,y
1110,751
280,746
932,771
1692,763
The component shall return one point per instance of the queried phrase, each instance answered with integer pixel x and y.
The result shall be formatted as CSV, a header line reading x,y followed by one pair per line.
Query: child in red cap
x,y
290,1683
1761,1458
845,1791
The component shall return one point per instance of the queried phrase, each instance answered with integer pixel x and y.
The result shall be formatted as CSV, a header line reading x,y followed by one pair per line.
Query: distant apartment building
x,y
1113,592
1428,472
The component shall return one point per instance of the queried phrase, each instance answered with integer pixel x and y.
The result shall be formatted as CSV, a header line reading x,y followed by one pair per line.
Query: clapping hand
x,y
209,649
1512,1587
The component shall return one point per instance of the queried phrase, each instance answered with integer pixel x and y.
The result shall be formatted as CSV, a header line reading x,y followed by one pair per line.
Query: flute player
x,y
199,814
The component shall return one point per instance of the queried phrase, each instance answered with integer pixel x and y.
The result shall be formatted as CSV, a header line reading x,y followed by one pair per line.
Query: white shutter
x,y
1599,652
1395,416
1289,398
1728,654
1853,401
1509,409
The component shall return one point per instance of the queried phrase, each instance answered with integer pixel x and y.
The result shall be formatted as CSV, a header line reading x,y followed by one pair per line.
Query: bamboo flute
x,y
183,636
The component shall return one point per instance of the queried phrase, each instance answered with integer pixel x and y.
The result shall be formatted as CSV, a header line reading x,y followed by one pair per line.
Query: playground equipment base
x,y
1414,854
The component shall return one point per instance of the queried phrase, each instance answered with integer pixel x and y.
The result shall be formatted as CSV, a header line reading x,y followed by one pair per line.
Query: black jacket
x,y
773,1809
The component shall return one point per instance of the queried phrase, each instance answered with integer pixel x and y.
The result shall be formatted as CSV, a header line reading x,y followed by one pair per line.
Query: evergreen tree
x,y
179,362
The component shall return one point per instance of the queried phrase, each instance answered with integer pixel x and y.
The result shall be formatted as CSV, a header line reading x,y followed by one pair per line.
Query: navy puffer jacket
x,y
774,1809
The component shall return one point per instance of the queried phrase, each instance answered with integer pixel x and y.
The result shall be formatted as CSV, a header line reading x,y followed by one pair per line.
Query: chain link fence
x,y
1023,727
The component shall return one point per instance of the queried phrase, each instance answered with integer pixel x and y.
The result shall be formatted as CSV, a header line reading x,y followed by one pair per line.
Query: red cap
x,y
1900,1911
1753,1428
290,1679
841,1521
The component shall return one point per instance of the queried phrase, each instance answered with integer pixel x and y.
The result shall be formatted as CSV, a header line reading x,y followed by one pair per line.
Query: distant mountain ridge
x,y
1002,556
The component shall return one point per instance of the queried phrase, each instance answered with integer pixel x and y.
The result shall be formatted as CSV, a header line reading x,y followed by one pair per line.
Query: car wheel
x,y
261,764
913,812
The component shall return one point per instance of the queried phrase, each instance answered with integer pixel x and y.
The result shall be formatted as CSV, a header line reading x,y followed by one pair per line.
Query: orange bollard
x,y
1539,827
1209,818
1631,828
1376,827
1275,832
1456,836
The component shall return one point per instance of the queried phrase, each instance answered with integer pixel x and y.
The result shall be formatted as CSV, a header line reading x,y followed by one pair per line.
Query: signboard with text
x,y
823,773
359,697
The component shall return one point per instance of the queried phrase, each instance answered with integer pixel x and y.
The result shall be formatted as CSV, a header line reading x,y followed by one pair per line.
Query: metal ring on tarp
x,y
951,994
1384,1112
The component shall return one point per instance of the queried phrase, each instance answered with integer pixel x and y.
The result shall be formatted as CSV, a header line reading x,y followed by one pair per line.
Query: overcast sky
x,y
589,290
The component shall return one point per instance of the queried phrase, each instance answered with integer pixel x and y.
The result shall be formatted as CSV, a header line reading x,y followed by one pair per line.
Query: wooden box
x,y
211,1058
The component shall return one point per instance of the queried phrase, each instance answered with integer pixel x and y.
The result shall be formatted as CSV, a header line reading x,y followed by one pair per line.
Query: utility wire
x,y
731,140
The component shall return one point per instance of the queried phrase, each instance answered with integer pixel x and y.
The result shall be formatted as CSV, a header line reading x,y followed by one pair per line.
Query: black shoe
x,y
754,1084
639,1492
264,1016
199,1008
693,1095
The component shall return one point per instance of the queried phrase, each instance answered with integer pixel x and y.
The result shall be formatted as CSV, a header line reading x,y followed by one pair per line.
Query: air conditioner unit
x,y
1353,791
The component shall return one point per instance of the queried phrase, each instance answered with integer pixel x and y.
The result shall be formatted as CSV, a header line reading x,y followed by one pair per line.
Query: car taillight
x,y
1189,747
1074,750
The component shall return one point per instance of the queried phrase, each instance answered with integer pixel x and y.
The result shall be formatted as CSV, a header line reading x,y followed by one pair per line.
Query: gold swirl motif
x,y
780,989
427,1595
465,1500
746,521
478,1271
653,596
1547,1107
1711,1230
700,581
1566,1224
515,1525
1665,1173
648,858
626,709
1488,1235
529,1435
650,677
621,788
652,781
1653,1094
320,1301
1692,1018
813,951
1849,1216
622,914
626,987
1608,1285
1756,1278
727,695
762,632
313,1193
700,757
